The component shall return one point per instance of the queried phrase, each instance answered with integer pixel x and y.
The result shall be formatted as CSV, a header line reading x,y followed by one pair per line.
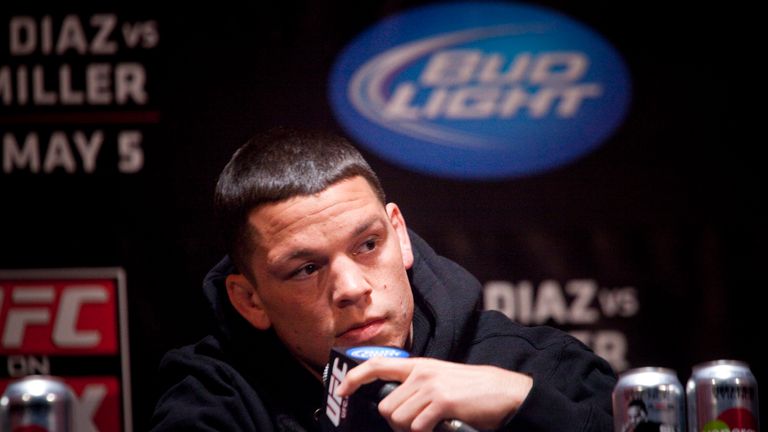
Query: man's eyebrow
x,y
297,254
366,225
302,253
310,253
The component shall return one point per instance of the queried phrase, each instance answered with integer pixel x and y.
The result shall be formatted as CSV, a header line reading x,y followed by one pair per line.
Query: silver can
x,y
648,399
722,396
39,403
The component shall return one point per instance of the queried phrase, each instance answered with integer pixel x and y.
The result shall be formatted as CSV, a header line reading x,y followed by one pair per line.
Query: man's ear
x,y
398,223
246,300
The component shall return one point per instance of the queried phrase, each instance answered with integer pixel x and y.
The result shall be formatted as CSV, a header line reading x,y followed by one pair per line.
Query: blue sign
x,y
480,90
368,352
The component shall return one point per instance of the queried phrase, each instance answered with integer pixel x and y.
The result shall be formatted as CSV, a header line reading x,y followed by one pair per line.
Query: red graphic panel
x,y
61,317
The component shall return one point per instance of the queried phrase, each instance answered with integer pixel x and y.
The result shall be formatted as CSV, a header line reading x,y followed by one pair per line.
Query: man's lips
x,y
362,332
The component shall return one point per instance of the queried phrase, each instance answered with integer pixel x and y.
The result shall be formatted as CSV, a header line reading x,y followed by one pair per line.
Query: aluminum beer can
x,y
37,403
722,396
648,399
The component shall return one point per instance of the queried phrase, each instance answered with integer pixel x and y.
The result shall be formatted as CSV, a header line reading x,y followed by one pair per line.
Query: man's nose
x,y
350,285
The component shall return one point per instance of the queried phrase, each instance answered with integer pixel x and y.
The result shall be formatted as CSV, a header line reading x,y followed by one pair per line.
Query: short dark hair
x,y
277,165
638,403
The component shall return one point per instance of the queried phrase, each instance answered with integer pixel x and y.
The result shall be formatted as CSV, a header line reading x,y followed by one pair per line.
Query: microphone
x,y
359,412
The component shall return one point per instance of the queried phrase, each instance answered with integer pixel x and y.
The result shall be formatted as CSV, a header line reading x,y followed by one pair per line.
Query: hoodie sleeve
x,y
571,385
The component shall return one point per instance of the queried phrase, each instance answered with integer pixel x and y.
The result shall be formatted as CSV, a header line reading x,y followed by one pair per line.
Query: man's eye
x,y
305,271
367,246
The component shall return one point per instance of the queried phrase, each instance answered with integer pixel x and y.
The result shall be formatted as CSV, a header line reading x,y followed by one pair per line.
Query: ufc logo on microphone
x,y
58,317
336,406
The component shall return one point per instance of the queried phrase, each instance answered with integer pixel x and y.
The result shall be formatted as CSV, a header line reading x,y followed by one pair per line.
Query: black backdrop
x,y
669,207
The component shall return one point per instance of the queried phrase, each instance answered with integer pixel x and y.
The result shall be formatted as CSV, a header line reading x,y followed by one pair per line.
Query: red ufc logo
x,y
58,317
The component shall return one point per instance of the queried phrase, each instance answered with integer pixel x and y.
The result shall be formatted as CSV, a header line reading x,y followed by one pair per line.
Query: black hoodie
x,y
244,379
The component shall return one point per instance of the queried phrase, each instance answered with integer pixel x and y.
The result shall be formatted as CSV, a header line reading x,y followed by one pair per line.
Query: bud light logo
x,y
480,90
368,352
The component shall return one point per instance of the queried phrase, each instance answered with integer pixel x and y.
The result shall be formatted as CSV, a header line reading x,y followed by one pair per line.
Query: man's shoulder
x,y
209,347
570,381
501,341
199,385
204,367
205,355
495,325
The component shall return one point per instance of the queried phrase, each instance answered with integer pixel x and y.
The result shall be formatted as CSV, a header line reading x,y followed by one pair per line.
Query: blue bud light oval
x,y
367,352
480,90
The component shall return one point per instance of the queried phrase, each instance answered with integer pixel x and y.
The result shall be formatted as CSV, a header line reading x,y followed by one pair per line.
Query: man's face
x,y
635,414
330,270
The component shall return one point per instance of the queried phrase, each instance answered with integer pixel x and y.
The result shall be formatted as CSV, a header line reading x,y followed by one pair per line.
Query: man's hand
x,y
434,390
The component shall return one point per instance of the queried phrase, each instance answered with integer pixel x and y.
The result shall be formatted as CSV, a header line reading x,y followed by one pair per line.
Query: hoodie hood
x,y
441,289
230,323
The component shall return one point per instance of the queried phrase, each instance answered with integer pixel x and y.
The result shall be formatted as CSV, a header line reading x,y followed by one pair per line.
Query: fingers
x,y
432,390
387,369
400,407
427,419
408,410
409,407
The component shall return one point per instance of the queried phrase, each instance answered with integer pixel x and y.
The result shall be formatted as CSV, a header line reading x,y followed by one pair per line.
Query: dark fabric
x,y
243,379
647,426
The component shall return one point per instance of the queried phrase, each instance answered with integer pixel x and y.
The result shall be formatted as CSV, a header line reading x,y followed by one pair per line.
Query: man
x,y
637,416
319,259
